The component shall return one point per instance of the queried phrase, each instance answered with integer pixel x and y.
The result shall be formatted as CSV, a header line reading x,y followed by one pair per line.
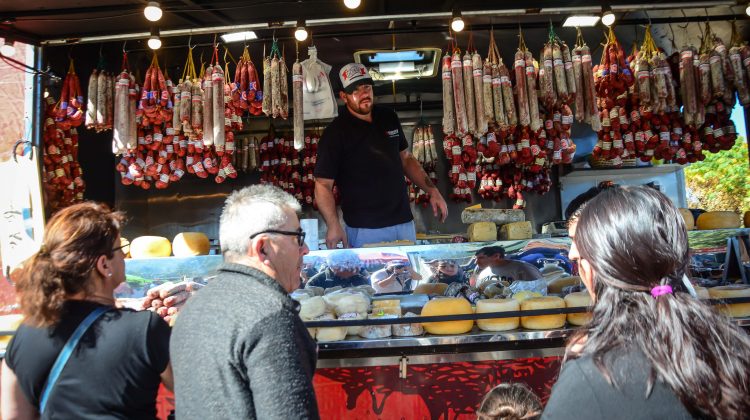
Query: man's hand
x,y
438,203
335,235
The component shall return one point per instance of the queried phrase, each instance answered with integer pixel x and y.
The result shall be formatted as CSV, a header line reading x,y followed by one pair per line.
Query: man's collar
x,y
262,278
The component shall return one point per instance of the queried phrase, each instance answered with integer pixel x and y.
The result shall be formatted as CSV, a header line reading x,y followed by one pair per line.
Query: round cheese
x,y
150,247
718,220
689,219
430,289
9,323
311,308
525,294
737,310
448,306
408,330
578,299
543,322
556,285
190,244
330,334
746,219
497,305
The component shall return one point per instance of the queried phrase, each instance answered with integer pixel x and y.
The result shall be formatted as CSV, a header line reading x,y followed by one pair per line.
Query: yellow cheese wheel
x,y
689,219
516,231
327,334
150,247
9,323
525,294
556,285
497,305
448,306
125,244
431,288
702,292
482,232
577,299
718,220
737,310
543,322
747,219
190,244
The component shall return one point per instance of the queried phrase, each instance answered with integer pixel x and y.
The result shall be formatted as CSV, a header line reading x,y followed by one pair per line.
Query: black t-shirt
x,y
364,160
114,371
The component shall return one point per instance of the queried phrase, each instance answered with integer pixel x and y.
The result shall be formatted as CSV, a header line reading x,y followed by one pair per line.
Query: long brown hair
x,y
635,239
510,401
74,239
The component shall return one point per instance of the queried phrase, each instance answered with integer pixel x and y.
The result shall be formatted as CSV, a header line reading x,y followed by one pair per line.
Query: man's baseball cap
x,y
353,75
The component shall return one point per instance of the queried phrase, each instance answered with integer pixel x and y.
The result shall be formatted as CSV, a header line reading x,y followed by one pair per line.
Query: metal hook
x,y
124,51
645,12
190,39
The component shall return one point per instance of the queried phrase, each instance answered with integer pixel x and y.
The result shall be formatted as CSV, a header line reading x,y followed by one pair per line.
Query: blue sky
x,y
738,116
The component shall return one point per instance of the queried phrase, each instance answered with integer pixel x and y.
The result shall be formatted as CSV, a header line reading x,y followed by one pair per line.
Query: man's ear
x,y
342,95
257,248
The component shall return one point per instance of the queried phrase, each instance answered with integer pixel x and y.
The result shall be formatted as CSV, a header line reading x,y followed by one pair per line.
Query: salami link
x,y
578,83
217,84
546,81
449,117
91,101
489,114
284,90
561,84
267,80
497,98
196,107
101,101
297,112
462,126
570,76
519,67
477,75
507,89
471,115
275,88
121,122
535,122
208,107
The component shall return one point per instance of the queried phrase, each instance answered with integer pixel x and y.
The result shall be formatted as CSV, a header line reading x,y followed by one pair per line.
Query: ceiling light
x,y
8,49
747,11
352,4
301,33
608,17
239,36
580,20
153,41
457,22
152,11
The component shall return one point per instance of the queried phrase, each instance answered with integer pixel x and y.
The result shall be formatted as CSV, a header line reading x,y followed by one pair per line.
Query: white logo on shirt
x,y
392,133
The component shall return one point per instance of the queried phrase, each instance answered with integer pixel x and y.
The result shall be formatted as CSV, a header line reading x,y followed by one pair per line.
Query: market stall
x,y
164,125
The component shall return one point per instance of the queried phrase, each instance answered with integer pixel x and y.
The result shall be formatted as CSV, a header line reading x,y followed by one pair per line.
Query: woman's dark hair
x,y
575,207
635,239
510,401
74,239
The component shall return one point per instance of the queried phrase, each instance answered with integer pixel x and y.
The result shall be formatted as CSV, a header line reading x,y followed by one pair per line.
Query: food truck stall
x,y
115,112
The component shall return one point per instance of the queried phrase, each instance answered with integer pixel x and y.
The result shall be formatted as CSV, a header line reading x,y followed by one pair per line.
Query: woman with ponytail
x,y
115,368
651,350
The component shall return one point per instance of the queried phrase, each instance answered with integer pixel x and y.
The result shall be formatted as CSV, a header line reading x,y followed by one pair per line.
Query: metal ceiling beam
x,y
215,13
165,33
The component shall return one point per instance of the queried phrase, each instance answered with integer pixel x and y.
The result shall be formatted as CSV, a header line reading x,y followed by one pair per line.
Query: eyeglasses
x,y
299,233
121,247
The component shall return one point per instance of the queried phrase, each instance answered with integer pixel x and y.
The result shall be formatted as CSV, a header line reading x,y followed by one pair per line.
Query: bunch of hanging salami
x,y
246,88
245,158
423,149
289,169
100,104
275,101
62,176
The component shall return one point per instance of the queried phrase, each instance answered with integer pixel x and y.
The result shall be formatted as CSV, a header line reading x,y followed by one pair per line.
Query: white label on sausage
x,y
649,152
179,173
586,58
664,135
567,119
471,176
158,137
607,145
628,137
297,78
718,132
446,75
455,64
468,141
456,150
477,73
557,155
164,178
568,65
169,131
558,62
520,63
467,63
487,79
617,143
524,143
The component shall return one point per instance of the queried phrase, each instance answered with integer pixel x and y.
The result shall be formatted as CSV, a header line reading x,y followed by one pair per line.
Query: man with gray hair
x,y
239,348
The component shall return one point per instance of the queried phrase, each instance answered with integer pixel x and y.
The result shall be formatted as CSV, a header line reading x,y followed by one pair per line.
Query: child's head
x,y
510,402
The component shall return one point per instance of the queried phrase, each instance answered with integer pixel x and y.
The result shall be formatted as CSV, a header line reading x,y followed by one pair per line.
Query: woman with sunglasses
x,y
448,272
117,357
651,350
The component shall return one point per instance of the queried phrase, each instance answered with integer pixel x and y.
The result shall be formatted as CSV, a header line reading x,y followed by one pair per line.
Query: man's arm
x,y
280,384
327,207
417,175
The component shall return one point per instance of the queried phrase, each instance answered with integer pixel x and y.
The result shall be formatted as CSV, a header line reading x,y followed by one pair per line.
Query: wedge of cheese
x,y
150,247
516,231
482,232
190,244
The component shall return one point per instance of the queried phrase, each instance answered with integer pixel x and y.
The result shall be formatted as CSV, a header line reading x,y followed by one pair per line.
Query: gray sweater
x,y
240,351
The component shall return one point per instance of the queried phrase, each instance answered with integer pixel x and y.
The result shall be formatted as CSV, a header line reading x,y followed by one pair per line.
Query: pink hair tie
x,y
661,290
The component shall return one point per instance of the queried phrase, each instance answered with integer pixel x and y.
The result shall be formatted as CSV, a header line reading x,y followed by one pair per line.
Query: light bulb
x,y
352,4
154,43
301,33
152,11
747,11
8,49
457,22
608,17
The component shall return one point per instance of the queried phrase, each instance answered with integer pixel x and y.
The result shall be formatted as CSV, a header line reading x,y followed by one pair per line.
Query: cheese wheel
x,y
327,334
689,219
543,322
482,232
702,292
430,289
150,247
125,244
9,323
746,219
556,285
497,305
407,330
718,220
522,295
190,244
448,306
312,307
736,310
577,299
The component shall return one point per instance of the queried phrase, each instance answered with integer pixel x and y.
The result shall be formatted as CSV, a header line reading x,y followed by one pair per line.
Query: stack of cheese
x,y
185,244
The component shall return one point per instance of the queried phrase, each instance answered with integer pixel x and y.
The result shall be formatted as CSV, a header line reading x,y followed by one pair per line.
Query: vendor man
x,y
364,151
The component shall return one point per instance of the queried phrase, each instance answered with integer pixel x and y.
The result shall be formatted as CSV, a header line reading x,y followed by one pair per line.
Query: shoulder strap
x,y
62,358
